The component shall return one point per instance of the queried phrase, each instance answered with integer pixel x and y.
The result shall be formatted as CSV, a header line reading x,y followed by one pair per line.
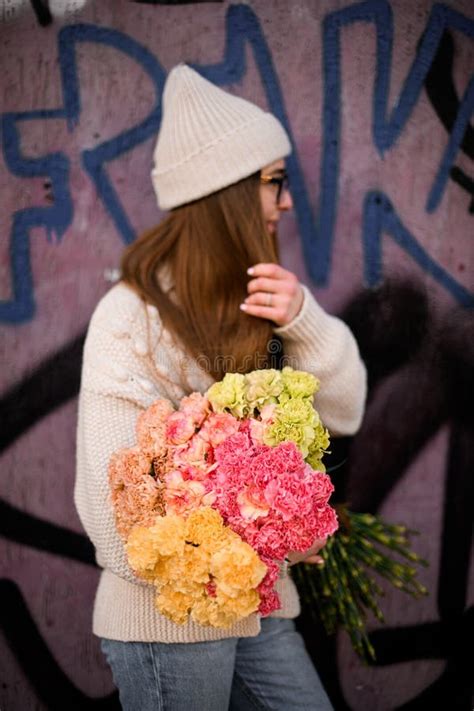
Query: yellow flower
x,y
169,531
142,550
175,605
195,566
240,606
149,547
236,568
168,568
204,526
199,566
223,611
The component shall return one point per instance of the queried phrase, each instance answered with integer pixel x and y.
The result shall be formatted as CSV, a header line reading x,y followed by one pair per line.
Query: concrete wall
x,y
377,97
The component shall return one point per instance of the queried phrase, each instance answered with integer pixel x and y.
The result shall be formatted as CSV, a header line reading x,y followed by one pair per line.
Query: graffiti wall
x,y
378,99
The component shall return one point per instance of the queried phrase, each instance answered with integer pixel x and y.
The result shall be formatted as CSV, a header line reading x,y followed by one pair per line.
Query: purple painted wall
x,y
382,178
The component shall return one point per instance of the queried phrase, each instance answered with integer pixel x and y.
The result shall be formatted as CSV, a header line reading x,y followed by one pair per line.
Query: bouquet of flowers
x,y
215,494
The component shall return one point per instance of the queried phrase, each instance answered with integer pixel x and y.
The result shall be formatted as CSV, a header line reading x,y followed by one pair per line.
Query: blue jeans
x,y
270,671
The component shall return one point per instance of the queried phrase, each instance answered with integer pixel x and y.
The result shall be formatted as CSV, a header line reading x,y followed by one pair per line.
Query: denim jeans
x,y
270,671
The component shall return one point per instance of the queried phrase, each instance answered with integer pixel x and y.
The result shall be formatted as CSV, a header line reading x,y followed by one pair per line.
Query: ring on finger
x,y
269,300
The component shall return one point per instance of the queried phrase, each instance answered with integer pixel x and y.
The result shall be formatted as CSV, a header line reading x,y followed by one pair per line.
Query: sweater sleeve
x,y
324,346
116,386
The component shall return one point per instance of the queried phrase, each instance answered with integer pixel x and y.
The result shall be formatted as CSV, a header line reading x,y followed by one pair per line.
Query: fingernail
x,y
250,270
243,307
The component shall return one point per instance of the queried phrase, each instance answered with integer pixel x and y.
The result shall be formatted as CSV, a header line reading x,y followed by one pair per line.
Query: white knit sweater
x,y
129,361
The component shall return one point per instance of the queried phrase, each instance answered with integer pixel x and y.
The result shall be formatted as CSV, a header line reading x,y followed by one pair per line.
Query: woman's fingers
x,y
309,556
276,286
279,314
316,559
274,294
265,298
270,312
274,271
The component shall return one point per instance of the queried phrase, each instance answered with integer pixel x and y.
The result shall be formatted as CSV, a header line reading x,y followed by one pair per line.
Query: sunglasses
x,y
282,182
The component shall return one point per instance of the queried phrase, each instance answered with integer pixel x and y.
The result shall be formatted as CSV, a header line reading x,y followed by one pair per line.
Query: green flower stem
x,y
354,618
371,520
395,543
312,584
344,595
326,605
385,567
383,564
360,584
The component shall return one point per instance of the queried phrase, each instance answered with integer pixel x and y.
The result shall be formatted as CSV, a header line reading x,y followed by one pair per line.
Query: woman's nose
x,y
286,201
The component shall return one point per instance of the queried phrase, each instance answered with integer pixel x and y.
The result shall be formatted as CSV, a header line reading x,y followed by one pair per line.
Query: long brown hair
x,y
208,245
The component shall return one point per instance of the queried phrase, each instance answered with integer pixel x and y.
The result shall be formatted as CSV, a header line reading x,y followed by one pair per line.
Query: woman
x,y
184,313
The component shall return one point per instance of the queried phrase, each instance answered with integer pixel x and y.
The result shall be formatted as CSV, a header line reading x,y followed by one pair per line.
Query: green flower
x,y
263,387
298,383
318,448
295,421
229,395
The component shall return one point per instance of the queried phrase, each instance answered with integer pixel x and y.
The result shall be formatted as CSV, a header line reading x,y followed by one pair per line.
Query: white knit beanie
x,y
209,139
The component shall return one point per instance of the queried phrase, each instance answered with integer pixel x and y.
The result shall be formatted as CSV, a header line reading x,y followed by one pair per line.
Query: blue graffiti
x,y
94,160
55,219
242,27
380,218
385,133
55,167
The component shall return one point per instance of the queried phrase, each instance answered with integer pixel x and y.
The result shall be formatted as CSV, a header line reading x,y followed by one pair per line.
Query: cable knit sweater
x,y
129,361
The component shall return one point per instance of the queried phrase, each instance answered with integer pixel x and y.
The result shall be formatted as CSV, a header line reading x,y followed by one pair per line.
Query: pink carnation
x,y
302,534
257,431
269,598
218,427
326,522
211,589
269,602
151,426
127,467
288,458
179,428
187,471
137,502
273,572
235,454
183,495
195,452
195,406
321,486
258,427
293,498
252,503
271,540
271,497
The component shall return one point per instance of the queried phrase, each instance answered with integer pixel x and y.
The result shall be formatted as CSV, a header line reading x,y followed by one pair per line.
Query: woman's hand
x,y
309,556
274,294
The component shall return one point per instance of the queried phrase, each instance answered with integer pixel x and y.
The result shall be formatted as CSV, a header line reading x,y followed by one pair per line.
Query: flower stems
x,y
341,592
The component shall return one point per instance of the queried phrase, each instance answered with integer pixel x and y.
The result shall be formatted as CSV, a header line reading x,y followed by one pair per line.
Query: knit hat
x,y
209,139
